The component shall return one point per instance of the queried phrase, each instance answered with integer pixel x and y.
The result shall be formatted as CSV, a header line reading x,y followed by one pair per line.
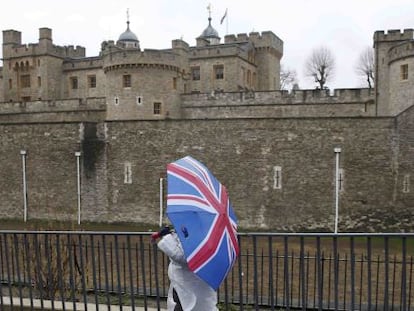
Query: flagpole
x,y
161,200
227,22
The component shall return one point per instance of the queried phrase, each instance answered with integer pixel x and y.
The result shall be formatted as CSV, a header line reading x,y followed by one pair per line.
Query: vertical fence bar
x,y
336,272
369,272
157,292
255,282
59,270
106,273
131,281
16,249
352,273
319,273
144,284
302,272
82,271
410,282
286,273
118,272
28,268
386,277
94,281
403,274
240,274
7,257
49,279
39,280
271,288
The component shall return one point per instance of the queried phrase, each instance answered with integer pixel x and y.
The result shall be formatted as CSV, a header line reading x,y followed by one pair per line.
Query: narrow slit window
x,y
406,183
341,179
139,100
277,177
116,100
127,173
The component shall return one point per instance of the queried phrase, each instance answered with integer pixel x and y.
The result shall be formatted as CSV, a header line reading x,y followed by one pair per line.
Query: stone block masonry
x,y
122,162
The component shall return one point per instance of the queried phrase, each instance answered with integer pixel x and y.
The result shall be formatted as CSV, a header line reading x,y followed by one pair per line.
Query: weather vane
x,y
209,9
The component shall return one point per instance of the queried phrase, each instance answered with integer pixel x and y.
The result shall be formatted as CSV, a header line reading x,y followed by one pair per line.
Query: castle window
x,y
277,177
10,84
116,100
406,183
139,100
404,72
219,72
25,81
195,73
157,108
174,83
26,99
249,77
341,179
74,83
39,81
38,63
126,81
127,173
92,81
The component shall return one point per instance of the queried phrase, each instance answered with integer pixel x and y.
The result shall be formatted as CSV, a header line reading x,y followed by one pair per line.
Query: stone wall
x,y
123,161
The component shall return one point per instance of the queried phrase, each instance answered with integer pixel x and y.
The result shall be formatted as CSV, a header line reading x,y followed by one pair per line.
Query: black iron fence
x,y
88,270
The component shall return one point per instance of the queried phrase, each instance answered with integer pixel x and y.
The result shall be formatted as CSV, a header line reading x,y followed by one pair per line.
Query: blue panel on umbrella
x,y
201,213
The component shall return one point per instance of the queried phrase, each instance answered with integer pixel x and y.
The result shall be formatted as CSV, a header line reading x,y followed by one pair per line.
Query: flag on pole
x,y
224,16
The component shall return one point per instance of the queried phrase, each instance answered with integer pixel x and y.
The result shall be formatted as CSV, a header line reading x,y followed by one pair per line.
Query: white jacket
x,y
194,293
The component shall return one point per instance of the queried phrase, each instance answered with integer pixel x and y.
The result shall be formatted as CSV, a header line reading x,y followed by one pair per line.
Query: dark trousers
x,y
178,306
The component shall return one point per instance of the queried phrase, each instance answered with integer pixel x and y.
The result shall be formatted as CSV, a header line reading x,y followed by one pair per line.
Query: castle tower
x,y
393,53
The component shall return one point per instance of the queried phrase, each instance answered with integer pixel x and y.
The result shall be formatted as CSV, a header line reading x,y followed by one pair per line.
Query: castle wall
x,y
310,103
122,163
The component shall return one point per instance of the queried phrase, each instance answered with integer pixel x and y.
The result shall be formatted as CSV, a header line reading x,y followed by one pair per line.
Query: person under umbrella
x,y
187,292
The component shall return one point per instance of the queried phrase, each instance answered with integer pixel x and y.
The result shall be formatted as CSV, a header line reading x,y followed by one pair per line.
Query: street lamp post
x,y
337,151
23,155
78,154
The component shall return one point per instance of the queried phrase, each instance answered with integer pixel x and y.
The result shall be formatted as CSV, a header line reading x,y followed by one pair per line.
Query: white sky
x,y
344,27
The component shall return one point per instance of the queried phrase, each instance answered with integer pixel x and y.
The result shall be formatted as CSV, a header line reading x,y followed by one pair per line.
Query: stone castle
x,y
126,113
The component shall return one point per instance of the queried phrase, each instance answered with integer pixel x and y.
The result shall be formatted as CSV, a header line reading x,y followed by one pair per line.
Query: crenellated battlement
x,y
264,39
13,47
134,58
393,35
286,97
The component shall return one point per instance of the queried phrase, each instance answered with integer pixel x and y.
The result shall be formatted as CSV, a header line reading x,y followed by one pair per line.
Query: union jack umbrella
x,y
200,211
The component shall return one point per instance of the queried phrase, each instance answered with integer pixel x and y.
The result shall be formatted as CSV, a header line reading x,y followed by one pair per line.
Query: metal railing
x,y
68,270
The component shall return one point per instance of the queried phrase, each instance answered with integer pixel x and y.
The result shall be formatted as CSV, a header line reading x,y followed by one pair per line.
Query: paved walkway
x,y
47,305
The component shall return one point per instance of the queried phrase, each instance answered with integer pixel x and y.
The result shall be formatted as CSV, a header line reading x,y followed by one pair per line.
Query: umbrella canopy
x,y
200,211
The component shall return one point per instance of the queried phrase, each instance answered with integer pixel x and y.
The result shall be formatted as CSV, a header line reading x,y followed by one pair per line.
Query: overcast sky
x,y
344,27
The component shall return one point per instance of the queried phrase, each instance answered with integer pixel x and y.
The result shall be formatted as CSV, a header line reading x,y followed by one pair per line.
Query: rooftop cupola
x,y
128,39
209,34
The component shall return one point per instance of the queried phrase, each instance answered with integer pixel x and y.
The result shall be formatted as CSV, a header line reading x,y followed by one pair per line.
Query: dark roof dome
x,y
128,35
210,32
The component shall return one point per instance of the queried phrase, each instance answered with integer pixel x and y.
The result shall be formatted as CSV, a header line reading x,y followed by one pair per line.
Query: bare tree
x,y
320,66
366,66
288,78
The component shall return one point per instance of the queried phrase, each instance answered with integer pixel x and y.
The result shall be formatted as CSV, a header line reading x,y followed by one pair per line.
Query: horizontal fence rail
x,y
65,270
